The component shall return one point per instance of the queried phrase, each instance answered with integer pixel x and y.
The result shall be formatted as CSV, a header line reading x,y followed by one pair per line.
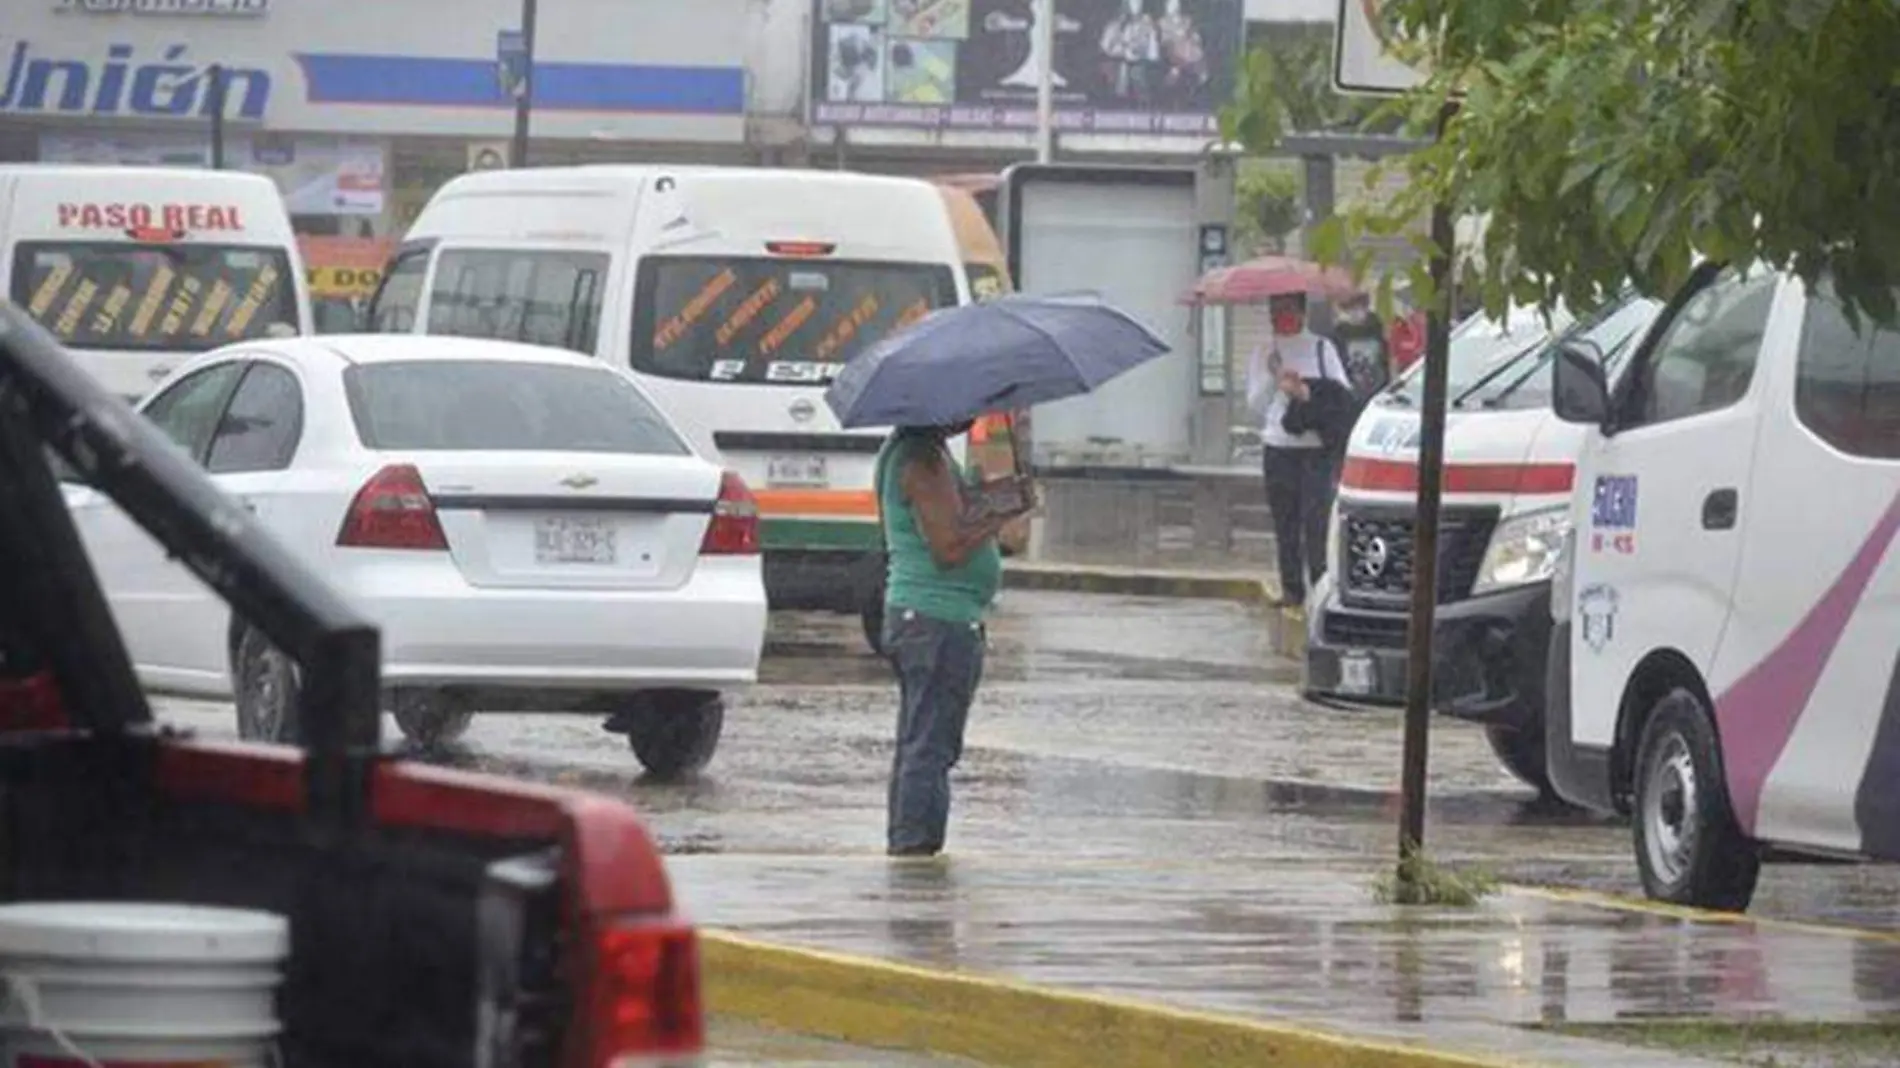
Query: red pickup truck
x,y
436,917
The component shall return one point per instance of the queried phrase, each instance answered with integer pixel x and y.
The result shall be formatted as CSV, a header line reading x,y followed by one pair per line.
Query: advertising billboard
x,y
1147,67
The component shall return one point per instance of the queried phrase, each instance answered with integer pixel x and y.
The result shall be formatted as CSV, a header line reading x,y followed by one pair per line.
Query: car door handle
x,y
249,504
1719,510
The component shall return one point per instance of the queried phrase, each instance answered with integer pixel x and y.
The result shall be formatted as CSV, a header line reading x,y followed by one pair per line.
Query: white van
x,y
1724,652
137,269
734,294
1507,480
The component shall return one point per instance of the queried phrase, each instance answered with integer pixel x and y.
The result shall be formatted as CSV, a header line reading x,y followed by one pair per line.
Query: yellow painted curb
x,y
1011,1024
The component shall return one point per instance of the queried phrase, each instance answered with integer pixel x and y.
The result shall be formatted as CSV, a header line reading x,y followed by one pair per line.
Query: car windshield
x,y
504,406
783,321
157,298
1479,346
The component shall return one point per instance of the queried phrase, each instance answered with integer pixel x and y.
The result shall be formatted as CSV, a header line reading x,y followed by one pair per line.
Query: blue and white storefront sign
x,y
667,72
123,80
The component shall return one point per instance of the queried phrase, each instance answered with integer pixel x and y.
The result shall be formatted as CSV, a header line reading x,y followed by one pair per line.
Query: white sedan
x,y
530,530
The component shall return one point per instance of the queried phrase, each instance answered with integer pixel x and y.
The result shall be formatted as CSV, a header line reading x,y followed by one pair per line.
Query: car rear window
x,y
493,405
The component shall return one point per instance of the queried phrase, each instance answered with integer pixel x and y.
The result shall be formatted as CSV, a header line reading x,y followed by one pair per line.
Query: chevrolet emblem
x,y
579,482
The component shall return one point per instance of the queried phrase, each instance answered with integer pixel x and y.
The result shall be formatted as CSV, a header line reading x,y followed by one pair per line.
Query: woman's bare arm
x,y
937,502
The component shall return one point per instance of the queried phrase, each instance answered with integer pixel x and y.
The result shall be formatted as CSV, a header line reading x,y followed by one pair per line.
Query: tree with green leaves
x,y
1620,140
1268,206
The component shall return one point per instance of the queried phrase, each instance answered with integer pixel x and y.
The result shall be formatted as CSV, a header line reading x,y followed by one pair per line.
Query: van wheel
x,y
1688,847
267,685
428,718
1521,751
673,732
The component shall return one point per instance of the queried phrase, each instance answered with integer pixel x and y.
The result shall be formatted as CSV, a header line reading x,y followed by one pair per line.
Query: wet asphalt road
x,y
1107,727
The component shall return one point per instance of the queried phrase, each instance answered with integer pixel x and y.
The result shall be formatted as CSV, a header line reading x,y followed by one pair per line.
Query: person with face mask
x,y
1360,337
1299,466
943,572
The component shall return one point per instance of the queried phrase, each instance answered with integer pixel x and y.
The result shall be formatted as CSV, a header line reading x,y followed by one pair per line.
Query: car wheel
x,y
267,685
674,733
1688,847
872,618
1521,751
429,719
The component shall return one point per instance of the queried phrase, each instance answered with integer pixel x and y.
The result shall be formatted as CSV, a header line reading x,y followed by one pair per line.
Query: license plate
x,y
810,471
1355,673
575,541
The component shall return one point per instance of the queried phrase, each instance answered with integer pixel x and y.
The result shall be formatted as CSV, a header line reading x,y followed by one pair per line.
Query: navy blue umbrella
x,y
1001,355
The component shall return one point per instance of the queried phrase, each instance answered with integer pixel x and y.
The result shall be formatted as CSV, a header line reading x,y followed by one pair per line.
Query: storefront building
x,y
359,111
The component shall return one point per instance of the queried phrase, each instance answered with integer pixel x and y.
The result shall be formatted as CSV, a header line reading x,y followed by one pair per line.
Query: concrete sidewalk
x,y
1212,579
1106,962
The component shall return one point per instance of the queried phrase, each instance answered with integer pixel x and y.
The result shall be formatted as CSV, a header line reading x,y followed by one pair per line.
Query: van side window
x,y
544,298
393,310
1847,381
1706,357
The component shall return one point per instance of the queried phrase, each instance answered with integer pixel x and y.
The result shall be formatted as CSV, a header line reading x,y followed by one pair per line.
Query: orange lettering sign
x,y
749,310
782,331
676,326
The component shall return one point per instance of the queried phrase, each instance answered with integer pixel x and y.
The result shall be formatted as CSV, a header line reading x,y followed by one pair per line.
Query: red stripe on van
x,y
1400,476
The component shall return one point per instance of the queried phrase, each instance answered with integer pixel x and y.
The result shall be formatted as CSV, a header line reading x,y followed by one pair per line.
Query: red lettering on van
x,y
178,219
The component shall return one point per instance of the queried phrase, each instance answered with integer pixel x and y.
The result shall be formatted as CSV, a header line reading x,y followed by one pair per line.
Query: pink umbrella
x,y
1260,280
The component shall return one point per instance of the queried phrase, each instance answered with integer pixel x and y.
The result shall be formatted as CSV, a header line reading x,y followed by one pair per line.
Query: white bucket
x,y
104,984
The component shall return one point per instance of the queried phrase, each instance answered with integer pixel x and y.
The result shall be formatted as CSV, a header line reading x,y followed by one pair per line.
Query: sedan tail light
x,y
392,511
646,1006
734,529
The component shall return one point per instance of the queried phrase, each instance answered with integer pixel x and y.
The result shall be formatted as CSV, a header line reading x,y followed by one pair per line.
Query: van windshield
x,y
1479,346
761,320
159,298
1614,331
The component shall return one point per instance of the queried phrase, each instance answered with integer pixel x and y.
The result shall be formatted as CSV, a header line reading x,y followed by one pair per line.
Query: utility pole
x,y
524,89
1045,81
214,101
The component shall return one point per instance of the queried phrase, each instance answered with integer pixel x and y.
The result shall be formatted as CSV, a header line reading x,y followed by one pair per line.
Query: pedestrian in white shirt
x,y
1300,471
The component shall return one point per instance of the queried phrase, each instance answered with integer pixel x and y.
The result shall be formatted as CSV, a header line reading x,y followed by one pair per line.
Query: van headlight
x,y
1560,583
1524,549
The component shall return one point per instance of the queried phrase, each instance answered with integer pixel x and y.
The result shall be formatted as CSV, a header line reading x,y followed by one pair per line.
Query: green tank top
x,y
957,595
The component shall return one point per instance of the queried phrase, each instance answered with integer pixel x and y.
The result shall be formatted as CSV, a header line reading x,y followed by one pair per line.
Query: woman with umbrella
x,y
944,570
931,381
1298,385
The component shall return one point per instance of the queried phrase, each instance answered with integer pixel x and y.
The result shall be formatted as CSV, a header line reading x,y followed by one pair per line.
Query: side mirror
x,y
1580,391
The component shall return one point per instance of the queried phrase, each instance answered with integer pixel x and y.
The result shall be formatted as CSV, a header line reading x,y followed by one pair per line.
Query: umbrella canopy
x,y
1259,280
1003,355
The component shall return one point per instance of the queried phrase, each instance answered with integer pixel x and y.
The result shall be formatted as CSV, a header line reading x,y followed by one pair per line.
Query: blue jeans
x,y
938,667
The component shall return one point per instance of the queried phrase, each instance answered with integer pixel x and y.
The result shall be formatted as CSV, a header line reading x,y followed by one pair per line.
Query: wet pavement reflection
x,y
1147,806
1301,939
737,1045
